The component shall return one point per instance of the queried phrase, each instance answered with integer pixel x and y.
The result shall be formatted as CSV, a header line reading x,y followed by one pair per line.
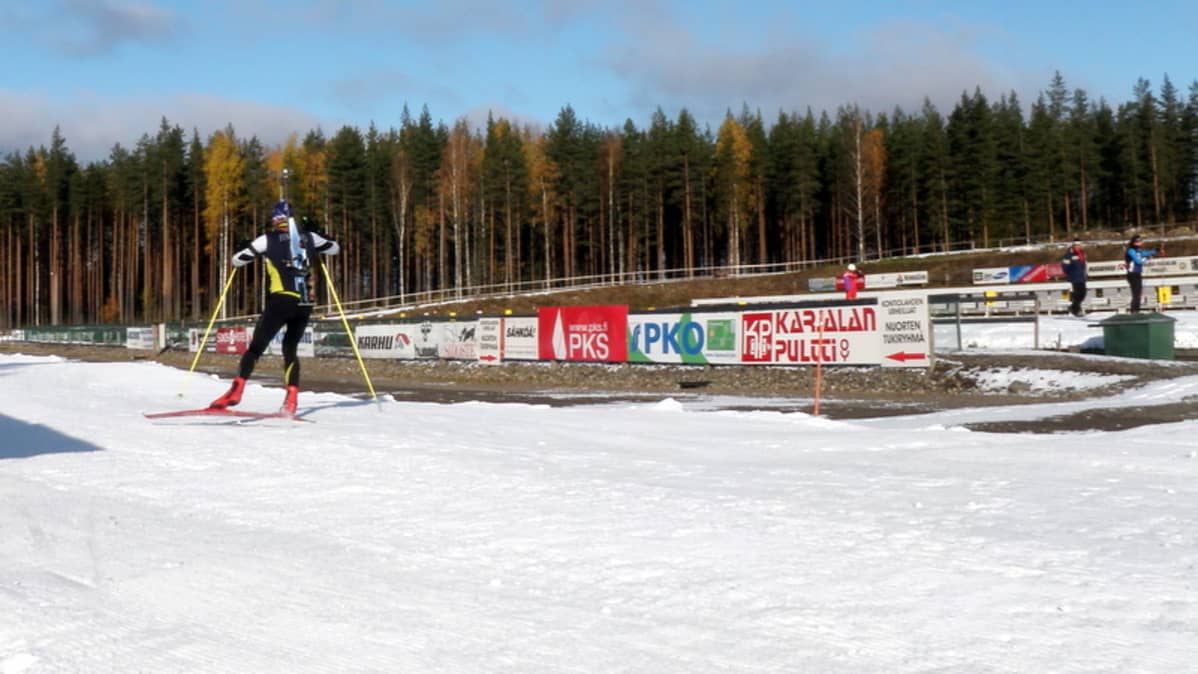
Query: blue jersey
x,y
1136,259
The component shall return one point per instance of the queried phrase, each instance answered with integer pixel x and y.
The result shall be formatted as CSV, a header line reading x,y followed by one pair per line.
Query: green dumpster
x,y
1147,335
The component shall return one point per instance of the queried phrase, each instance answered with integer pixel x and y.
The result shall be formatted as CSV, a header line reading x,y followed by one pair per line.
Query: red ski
x,y
222,412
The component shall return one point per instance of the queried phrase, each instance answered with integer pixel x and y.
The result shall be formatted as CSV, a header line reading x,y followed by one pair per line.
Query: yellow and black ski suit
x,y
289,296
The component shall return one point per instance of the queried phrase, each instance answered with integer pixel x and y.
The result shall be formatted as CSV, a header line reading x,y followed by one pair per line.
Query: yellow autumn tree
x,y
289,156
734,183
873,161
225,194
225,191
310,188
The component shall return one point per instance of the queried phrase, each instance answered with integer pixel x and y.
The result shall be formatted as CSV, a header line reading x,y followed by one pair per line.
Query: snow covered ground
x,y
632,537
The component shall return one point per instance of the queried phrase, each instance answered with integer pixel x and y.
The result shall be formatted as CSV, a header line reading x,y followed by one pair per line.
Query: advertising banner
x,y
893,332
490,341
232,340
843,335
458,341
1157,266
307,348
428,340
992,275
588,333
1035,273
903,321
698,338
140,338
1105,269
397,340
520,338
1027,273
872,281
194,335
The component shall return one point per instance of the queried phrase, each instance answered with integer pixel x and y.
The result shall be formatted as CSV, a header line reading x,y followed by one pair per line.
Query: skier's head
x,y
281,213
1136,240
1077,244
852,267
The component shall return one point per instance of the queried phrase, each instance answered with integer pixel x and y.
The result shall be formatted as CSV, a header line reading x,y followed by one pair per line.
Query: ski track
x,y
518,538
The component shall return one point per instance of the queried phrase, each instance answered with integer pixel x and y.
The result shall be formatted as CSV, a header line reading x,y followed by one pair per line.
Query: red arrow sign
x,y
903,356
487,357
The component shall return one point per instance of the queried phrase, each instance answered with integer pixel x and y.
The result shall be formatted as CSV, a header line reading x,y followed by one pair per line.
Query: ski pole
x,y
348,331
204,340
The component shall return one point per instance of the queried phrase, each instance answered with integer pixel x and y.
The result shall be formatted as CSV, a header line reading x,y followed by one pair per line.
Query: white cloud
x,y
897,63
93,123
87,28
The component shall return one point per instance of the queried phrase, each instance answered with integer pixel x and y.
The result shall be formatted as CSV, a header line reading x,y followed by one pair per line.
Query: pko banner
x,y
590,333
698,338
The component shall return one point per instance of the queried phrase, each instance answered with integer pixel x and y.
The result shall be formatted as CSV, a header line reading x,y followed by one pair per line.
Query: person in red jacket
x,y
853,280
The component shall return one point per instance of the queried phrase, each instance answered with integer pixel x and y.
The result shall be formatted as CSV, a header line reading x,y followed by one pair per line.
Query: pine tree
x,y
934,171
59,170
196,186
1011,217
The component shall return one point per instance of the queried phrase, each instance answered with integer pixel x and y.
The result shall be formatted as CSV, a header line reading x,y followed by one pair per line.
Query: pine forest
x,y
431,209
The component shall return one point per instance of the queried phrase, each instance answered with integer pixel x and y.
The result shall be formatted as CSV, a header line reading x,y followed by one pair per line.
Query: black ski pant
x,y
1136,282
281,311
1076,296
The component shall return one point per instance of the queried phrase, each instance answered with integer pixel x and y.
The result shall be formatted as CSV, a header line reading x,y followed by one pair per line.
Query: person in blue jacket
x,y
1074,266
1135,257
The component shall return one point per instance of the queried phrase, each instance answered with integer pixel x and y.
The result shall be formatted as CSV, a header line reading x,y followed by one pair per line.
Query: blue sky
x,y
107,71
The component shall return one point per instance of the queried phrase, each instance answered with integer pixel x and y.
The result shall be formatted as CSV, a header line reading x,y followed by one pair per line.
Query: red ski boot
x,y
231,397
290,400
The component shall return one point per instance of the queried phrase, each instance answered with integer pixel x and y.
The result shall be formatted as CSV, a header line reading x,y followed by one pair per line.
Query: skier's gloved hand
x,y
243,244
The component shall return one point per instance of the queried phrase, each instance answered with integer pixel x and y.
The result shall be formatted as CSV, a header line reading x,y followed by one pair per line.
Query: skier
x,y
289,300
1074,265
1135,258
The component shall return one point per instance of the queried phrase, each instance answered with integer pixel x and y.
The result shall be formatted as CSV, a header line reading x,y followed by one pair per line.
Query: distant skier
x,y
289,300
1074,265
853,279
1135,258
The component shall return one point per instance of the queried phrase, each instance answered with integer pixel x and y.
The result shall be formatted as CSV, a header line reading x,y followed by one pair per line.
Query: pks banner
x,y
233,340
587,333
